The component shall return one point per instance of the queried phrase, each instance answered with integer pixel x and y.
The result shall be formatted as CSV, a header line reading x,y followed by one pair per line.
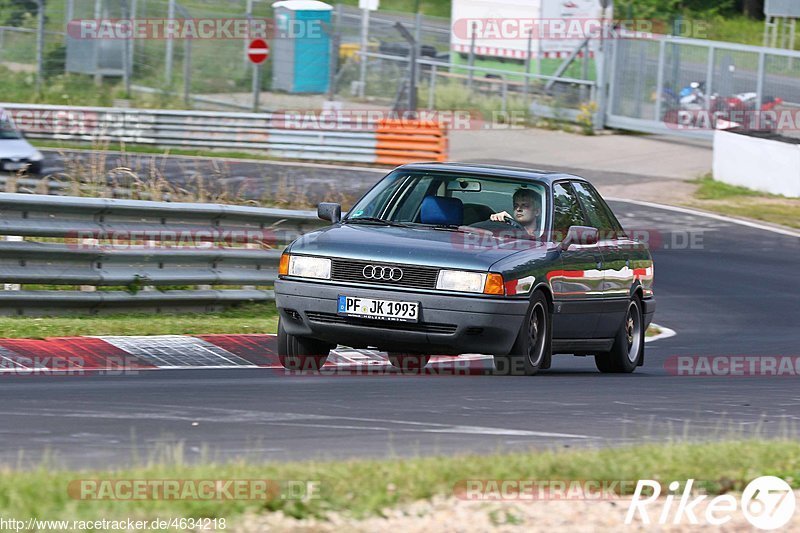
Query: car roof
x,y
504,171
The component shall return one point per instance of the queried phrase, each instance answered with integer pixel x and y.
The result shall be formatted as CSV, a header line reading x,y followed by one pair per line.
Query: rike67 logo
x,y
767,503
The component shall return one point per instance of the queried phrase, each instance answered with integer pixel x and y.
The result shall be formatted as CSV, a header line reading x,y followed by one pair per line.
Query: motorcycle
x,y
692,107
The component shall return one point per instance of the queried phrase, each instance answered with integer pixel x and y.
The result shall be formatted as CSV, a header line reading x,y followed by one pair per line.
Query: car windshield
x,y
8,131
455,200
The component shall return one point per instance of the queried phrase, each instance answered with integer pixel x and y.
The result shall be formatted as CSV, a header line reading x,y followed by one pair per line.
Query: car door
x,y
616,249
578,285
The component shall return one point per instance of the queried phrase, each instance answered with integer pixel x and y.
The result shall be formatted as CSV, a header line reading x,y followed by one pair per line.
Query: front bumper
x,y
448,324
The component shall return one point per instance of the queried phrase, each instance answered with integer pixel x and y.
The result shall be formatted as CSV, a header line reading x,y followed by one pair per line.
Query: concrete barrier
x,y
762,164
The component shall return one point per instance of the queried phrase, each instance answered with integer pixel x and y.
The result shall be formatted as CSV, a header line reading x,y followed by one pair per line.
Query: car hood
x,y
418,246
16,149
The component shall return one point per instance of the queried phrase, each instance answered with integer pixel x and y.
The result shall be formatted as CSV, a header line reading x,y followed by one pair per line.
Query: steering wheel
x,y
513,223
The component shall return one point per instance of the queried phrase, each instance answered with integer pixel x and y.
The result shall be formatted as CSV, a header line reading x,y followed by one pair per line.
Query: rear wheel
x,y
628,348
532,349
301,353
409,363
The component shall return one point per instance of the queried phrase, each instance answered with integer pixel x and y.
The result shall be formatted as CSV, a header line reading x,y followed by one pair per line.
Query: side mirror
x,y
330,211
584,235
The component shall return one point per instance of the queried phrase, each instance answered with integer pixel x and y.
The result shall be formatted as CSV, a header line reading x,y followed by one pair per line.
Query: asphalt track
x,y
733,292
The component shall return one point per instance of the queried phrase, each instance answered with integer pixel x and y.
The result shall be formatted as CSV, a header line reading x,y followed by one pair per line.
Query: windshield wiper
x,y
375,220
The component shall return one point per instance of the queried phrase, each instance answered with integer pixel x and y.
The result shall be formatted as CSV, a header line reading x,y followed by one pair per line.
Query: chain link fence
x,y
216,73
686,85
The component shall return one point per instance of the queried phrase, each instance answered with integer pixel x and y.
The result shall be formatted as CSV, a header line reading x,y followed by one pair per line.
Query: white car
x,y
16,153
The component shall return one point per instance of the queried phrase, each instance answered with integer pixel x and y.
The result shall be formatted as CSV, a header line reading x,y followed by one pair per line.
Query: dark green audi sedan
x,y
449,258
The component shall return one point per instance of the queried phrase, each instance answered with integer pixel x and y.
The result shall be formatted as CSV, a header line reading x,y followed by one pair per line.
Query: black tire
x,y
627,351
35,168
532,350
301,353
409,363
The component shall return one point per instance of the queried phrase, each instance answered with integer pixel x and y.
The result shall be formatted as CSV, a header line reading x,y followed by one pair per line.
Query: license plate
x,y
379,309
14,166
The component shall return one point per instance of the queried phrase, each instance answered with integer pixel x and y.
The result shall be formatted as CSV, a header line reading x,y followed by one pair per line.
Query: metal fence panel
x,y
649,78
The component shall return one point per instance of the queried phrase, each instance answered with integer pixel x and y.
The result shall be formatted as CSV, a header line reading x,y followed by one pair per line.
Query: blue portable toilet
x,y
301,46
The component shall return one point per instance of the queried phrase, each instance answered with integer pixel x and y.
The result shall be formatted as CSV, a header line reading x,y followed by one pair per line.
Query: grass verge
x,y
366,487
742,202
248,318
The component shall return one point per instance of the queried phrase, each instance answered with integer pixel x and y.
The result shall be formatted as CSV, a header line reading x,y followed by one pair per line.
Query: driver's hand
x,y
500,217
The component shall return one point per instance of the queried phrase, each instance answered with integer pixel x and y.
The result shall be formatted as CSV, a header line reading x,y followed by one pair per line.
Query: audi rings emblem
x,y
382,273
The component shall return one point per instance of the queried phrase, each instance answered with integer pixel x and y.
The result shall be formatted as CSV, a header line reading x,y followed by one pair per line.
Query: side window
x,y
597,211
408,207
566,210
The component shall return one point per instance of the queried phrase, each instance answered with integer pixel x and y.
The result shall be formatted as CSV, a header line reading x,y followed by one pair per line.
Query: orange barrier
x,y
405,141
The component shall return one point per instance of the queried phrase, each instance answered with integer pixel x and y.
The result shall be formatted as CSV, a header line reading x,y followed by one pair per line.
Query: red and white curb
x,y
184,352
172,352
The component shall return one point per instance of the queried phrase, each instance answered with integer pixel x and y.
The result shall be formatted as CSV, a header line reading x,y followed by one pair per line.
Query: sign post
x,y
257,53
366,6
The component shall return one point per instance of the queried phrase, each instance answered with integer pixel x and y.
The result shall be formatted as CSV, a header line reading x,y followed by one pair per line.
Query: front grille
x,y
417,277
423,327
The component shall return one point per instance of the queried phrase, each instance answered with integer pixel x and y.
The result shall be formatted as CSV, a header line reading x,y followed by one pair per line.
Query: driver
x,y
527,210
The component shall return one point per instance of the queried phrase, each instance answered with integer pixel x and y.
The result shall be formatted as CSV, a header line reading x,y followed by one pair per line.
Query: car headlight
x,y
309,267
462,281
37,156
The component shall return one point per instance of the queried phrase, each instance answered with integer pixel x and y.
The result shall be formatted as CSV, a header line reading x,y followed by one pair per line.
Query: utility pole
x,y
98,13
362,78
600,116
39,45
412,65
187,72
249,16
126,56
70,12
170,45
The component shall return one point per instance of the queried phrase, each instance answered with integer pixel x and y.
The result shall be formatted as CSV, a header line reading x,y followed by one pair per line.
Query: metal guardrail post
x,y
760,79
39,44
187,72
471,60
432,89
710,75
662,46
504,96
12,286
528,65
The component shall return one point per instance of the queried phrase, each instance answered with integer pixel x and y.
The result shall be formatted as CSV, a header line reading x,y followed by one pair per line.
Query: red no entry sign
x,y
258,51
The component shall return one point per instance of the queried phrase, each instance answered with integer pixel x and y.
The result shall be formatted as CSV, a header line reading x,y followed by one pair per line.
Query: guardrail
x,y
138,254
331,136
